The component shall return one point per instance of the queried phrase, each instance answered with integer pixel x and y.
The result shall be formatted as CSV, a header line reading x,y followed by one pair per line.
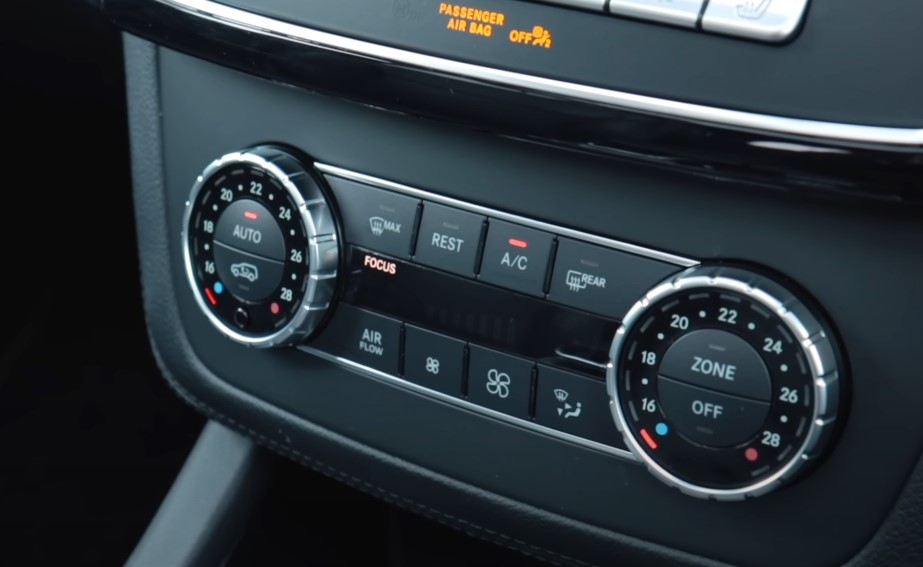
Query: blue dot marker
x,y
661,429
219,287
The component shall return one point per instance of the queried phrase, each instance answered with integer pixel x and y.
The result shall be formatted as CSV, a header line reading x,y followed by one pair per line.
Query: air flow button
x,y
764,20
367,338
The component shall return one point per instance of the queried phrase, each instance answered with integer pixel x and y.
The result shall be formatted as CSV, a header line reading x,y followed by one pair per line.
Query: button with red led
x,y
249,227
516,257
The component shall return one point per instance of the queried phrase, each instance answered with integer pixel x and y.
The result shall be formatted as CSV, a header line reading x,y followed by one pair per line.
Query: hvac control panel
x,y
719,378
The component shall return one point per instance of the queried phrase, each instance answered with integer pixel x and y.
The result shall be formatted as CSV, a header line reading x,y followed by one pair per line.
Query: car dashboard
x,y
623,281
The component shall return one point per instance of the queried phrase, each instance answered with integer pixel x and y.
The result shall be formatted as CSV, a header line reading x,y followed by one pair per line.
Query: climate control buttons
x,y
260,247
723,383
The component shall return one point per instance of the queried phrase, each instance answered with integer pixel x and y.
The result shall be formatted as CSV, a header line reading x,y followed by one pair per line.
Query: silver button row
x,y
763,20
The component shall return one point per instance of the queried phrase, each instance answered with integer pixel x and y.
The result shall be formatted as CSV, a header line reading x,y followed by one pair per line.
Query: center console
x,y
601,281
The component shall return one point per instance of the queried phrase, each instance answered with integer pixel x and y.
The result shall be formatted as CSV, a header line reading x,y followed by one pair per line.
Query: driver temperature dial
x,y
261,247
723,383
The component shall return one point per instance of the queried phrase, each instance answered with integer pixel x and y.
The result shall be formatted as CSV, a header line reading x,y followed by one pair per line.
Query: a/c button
x,y
516,257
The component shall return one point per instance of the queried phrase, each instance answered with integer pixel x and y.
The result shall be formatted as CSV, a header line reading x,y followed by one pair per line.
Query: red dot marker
x,y
274,307
251,215
751,454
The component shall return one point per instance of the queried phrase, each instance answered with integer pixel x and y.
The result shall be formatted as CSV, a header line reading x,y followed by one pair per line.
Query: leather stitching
x,y
470,528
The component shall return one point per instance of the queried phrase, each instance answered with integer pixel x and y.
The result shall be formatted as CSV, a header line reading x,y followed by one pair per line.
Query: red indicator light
x,y
211,296
518,243
648,439
251,215
751,454
274,308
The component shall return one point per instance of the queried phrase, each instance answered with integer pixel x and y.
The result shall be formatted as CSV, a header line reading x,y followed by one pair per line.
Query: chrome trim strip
x,y
493,213
394,380
721,117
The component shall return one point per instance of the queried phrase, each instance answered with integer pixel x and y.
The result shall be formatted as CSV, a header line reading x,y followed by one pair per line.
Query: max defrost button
x,y
433,360
600,280
369,339
499,381
709,418
376,219
516,257
449,239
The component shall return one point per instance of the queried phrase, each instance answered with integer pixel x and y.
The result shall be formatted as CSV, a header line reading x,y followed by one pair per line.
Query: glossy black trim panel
x,y
781,161
221,14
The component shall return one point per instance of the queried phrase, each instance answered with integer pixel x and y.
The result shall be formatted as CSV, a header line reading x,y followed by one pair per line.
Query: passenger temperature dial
x,y
723,383
260,247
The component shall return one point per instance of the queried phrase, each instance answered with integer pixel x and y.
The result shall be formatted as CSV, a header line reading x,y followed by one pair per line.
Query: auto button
x,y
250,227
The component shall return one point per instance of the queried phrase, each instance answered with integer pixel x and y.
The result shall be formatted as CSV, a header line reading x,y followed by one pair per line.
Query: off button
x,y
708,418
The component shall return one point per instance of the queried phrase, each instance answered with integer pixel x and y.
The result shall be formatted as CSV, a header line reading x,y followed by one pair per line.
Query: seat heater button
x,y
764,20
